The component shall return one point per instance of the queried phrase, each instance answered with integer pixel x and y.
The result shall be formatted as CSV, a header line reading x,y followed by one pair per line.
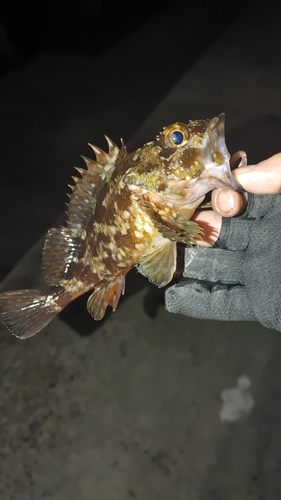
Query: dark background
x,y
72,71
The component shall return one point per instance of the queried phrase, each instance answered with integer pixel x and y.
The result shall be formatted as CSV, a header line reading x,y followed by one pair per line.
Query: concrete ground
x,y
132,407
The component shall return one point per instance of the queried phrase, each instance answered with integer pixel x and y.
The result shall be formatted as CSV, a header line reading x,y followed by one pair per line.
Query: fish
x,y
125,210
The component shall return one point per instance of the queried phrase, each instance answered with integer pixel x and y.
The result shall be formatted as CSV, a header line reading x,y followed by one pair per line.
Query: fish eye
x,y
175,135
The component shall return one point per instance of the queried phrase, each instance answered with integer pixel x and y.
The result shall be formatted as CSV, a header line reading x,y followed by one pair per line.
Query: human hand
x,y
239,279
263,178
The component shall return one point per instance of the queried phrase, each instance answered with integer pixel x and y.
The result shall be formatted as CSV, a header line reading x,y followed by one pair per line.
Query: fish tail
x,y
26,312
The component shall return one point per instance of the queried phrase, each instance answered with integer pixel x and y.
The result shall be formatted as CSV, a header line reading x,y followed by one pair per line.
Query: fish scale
x,y
125,210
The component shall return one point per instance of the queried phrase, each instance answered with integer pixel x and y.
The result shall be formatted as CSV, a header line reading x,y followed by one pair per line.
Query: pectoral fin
x,y
183,231
160,264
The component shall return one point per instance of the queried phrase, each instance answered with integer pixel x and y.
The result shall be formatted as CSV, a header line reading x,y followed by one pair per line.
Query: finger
x,y
263,178
199,300
227,202
213,265
211,223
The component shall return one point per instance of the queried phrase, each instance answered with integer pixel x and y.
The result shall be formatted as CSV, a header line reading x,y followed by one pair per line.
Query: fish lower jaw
x,y
188,198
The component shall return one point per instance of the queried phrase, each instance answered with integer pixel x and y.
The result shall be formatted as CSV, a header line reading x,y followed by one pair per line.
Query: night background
x,y
129,407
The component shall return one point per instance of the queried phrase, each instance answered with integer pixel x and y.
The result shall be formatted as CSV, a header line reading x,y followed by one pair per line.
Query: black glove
x,y
240,278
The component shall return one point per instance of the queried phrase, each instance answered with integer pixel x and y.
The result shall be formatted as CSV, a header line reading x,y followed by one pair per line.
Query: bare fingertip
x,y
228,203
223,201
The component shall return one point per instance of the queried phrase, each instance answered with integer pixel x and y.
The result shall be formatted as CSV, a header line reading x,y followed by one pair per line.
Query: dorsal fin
x,y
60,254
63,245
114,153
82,200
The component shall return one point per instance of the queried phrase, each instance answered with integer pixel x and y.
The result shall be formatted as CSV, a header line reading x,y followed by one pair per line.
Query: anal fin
x,y
106,294
159,265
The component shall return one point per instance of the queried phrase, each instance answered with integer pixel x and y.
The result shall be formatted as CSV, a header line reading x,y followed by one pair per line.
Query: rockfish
x,y
125,210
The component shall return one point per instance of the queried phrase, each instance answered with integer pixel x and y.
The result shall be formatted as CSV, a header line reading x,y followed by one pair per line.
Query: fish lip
x,y
216,134
222,172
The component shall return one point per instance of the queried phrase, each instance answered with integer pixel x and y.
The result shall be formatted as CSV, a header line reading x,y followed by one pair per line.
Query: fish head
x,y
183,163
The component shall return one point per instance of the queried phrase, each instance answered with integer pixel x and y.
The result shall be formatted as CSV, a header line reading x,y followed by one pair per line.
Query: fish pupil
x,y
177,137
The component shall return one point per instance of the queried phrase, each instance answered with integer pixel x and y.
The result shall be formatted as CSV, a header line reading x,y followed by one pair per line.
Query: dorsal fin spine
x,y
113,149
82,200
102,156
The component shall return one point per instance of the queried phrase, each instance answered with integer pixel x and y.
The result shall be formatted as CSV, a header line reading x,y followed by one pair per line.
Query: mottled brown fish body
x,y
124,210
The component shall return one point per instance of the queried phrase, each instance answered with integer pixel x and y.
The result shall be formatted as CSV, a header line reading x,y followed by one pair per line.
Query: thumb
x,y
263,178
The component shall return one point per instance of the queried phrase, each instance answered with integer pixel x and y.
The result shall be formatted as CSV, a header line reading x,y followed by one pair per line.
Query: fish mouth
x,y
217,159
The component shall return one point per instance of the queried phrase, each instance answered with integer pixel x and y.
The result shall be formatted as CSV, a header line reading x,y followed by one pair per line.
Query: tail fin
x,y
26,312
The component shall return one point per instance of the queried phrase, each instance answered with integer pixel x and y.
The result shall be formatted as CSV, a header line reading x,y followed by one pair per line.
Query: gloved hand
x,y
239,278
